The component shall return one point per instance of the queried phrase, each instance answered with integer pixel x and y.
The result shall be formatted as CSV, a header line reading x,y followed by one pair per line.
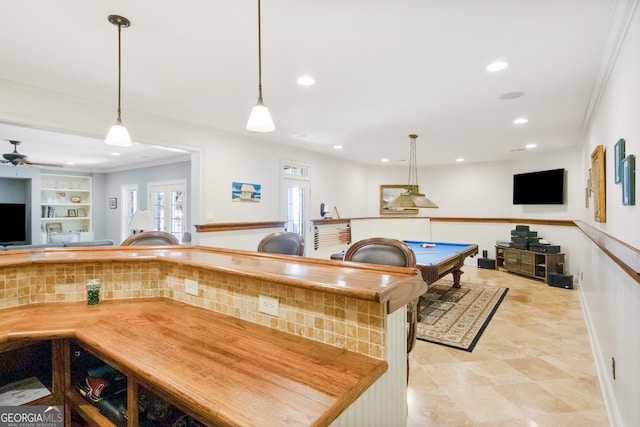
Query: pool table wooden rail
x,y
451,264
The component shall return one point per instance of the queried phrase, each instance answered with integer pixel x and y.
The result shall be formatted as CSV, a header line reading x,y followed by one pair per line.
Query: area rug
x,y
456,317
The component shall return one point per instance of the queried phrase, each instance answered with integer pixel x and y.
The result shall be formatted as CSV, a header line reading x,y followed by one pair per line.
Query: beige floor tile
x,y
532,366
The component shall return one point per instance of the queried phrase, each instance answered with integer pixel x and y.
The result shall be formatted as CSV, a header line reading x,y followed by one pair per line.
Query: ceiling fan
x,y
17,159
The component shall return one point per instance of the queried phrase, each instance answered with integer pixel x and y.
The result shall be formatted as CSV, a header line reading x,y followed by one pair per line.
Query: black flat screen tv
x,y
15,218
539,188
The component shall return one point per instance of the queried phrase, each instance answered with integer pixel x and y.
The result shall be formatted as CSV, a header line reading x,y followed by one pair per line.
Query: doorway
x,y
167,203
295,198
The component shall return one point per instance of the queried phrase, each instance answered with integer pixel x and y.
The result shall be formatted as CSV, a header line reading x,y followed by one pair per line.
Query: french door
x,y
167,203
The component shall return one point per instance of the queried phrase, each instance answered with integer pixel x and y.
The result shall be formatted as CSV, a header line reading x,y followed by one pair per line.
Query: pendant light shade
x,y
412,198
118,134
260,118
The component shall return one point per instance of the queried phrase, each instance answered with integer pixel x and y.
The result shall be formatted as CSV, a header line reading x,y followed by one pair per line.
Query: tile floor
x,y
532,367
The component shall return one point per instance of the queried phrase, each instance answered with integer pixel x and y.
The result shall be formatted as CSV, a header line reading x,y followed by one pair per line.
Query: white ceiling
x,y
383,70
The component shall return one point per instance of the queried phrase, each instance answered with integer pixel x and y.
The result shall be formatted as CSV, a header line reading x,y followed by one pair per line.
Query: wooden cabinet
x,y
528,263
94,392
102,393
31,373
65,207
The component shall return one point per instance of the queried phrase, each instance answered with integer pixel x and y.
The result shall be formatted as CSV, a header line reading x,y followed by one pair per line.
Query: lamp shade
x,y
412,199
118,136
260,119
142,221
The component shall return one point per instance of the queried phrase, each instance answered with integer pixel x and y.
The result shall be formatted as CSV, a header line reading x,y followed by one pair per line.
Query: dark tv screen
x,y
539,188
14,215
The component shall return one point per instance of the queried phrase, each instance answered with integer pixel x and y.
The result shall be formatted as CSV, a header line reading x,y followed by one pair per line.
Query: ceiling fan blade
x,y
53,165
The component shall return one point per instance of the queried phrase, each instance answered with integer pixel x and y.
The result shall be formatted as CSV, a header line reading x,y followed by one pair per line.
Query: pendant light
x,y
412,198
118,134
260,119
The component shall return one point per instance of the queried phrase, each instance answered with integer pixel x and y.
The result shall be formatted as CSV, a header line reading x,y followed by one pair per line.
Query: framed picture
x,y
598,184
617,161
245,192
71,212
390,192
82,212
628,169
113,203
54,227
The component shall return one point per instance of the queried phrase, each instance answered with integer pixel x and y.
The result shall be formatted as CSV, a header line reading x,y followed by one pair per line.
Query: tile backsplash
x,y
344,322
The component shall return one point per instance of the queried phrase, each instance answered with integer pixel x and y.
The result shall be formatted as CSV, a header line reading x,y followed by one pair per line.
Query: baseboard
x,y
602,367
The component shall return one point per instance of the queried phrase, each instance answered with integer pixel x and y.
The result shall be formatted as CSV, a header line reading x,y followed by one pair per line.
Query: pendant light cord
x,y
413,168
259,55
119,119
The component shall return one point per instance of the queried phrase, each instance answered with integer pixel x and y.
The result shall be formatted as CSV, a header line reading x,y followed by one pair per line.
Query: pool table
x,y
435,260
438,259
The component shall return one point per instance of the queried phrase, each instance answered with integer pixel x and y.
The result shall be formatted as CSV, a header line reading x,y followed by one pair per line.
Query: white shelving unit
x,y
65,207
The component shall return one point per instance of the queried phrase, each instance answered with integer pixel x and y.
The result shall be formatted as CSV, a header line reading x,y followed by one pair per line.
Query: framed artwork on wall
x,y
390,192
617,161
628,169
598,184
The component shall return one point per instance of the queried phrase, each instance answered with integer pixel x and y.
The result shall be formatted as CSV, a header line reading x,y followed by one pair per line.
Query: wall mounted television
x,y
539,188
15,231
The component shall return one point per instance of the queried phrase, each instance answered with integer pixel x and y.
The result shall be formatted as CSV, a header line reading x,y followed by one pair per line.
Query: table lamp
x,y
142,221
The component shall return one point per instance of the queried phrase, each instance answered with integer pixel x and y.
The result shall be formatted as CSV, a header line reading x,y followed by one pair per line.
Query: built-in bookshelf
x,y
65,208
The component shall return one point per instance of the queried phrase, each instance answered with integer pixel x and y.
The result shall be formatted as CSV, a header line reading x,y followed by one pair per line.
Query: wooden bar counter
x,y
225,371
214,355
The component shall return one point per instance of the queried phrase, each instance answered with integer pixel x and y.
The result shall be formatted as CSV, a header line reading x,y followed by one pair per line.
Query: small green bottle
x,y
93,291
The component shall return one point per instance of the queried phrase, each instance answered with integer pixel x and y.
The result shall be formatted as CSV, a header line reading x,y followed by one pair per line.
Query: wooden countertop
x,y
225,370
395,286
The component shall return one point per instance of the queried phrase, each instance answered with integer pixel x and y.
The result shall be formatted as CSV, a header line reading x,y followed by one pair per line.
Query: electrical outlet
x,y
268,305
191,287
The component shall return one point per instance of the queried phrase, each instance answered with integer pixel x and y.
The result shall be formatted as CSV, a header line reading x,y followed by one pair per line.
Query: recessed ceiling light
x,y
511,95
520,121
306,80
530,146
385,160
459,160
71,163
337,147
115,154
497,66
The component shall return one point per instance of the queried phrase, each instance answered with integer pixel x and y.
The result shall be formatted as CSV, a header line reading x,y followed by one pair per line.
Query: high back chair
x,y
282,242
151,238
385,251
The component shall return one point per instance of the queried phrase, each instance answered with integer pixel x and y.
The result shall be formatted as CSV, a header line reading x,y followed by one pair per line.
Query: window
x,y
295,197
129,207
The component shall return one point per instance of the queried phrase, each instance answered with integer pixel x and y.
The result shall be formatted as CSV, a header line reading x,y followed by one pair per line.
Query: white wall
x,y
610,296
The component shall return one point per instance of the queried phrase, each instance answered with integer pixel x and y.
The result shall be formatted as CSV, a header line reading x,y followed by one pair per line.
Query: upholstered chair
x,y
151,238
385,251
282,242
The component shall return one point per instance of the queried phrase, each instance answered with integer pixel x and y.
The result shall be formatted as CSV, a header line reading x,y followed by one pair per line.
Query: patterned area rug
x,y
456,317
